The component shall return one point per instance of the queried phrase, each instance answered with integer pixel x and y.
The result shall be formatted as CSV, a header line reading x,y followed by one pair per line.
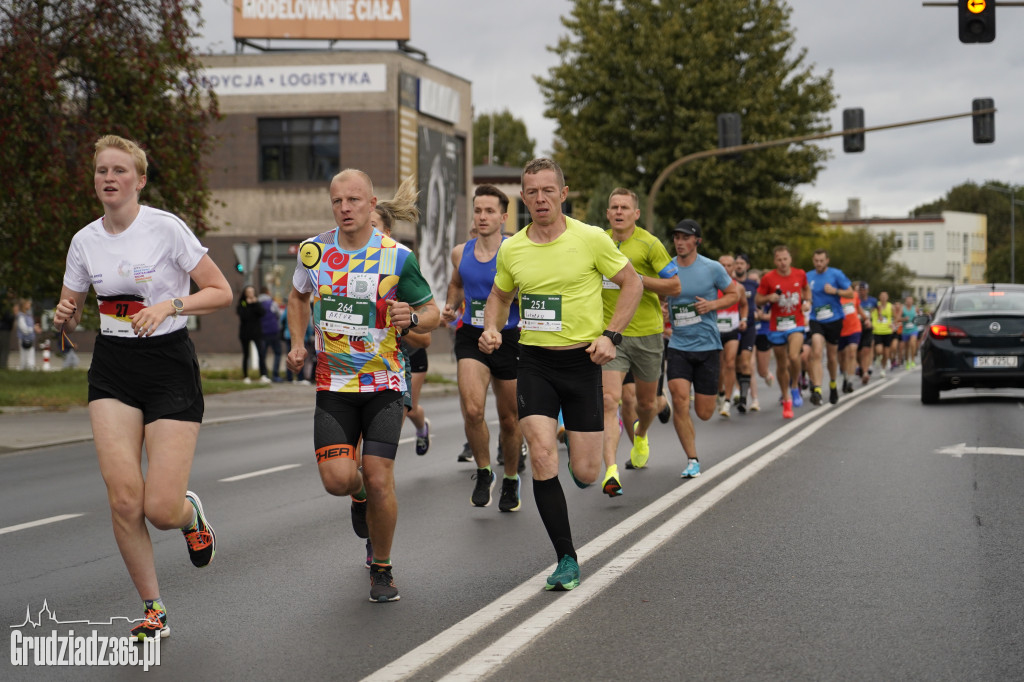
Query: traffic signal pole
x,y
738,149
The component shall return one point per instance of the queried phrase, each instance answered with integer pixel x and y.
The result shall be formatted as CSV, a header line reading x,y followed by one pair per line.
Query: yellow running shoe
x,y
610,486
640,452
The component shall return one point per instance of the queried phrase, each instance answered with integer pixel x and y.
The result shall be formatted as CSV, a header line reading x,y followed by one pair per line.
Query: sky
x,y
896,59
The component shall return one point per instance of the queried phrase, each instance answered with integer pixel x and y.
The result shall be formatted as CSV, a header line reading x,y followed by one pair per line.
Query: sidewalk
x,y
25,428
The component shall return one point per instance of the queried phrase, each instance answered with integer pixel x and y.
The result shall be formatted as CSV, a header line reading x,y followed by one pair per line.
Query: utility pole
x,y
723,151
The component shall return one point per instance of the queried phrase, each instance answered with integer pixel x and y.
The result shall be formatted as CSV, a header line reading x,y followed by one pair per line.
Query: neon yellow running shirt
x,y
559,282
650,258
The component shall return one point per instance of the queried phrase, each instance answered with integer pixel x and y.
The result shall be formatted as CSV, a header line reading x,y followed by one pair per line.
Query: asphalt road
x,y
841,545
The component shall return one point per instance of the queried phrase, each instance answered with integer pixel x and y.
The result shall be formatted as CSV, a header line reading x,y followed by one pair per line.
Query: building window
x,y
912,241
929,241
298,149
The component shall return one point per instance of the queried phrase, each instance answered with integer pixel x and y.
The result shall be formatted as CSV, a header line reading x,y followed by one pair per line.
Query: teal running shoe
x,y
566,576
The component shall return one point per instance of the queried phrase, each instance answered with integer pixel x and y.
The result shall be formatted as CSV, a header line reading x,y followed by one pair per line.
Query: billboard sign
x,y
322,19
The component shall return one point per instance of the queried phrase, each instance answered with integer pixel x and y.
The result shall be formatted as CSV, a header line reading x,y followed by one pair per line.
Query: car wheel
x,y
929,392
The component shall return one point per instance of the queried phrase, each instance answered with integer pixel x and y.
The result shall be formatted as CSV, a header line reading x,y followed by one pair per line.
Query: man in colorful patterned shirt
x,y
366,290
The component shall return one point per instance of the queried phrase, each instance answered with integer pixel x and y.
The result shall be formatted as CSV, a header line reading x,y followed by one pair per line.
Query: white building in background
x,y
945,249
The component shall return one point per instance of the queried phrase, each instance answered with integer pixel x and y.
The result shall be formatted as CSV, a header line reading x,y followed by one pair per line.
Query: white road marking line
x,y
40,522
523,633
261,472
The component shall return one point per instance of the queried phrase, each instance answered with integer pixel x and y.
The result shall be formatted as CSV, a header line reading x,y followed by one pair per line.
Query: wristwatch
x,y
179,306
616,337
414,320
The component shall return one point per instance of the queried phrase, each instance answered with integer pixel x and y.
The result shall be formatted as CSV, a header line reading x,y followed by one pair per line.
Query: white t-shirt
x,y
146,264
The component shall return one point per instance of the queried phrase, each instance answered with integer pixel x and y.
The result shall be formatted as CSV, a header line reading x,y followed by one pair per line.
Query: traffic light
x,y
977,21
852,119
984,124
729,132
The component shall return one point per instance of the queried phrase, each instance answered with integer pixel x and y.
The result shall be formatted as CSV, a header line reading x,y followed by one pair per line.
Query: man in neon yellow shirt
x,y
882,325
642,347
557,264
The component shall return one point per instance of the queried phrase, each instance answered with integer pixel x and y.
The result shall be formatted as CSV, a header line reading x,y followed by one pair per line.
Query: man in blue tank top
x,y
473,267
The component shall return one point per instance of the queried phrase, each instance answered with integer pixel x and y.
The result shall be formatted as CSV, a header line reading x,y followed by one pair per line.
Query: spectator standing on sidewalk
x,y
250,331
270,324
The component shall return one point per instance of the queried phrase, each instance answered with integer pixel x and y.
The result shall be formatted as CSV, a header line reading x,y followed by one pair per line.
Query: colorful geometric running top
x,y
357,348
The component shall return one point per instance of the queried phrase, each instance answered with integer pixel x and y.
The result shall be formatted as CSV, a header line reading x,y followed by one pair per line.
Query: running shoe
x,y
501,455
816,398
787,409
264,379
755,406
882,374
467,454
482,490
692,469
359,519
769,379
509,500
382,584
798,399
665,414
641,450
725,409
741,404
423,442
153,625
369,553
523,451
610,486
719,401
847,386
202,541
833,395
561,434
566,575
579,484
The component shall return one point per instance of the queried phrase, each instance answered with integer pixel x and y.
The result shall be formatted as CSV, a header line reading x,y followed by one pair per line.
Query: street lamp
x,y
1013,228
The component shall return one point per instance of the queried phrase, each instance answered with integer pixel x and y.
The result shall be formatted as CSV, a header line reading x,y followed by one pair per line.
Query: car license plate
x,y
995,361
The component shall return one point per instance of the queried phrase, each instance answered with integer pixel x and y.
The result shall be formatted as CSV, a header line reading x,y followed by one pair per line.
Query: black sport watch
x,y
616,337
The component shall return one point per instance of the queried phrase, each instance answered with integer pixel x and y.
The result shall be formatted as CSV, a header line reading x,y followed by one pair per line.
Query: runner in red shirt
x,y
787,290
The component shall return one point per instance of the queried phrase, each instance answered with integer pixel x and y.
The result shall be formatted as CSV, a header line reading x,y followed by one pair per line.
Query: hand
x,y
64,311
829,289
145,322
400,313
702,305
601,350
490,341
295,359
449,314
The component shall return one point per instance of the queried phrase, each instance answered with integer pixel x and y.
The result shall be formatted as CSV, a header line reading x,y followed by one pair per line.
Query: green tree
x,y
512,145
71,71
974,198
641,82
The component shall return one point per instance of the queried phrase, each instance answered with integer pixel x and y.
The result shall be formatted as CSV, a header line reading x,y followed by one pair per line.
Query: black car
x,y
975,338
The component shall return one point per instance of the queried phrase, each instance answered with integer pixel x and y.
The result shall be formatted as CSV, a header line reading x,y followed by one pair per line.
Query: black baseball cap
x,y
687,226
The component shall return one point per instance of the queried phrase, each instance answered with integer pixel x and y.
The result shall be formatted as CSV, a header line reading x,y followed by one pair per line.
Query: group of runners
x,y
528,331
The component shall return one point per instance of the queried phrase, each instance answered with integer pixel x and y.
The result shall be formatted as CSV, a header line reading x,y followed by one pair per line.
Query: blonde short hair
x,y
125,145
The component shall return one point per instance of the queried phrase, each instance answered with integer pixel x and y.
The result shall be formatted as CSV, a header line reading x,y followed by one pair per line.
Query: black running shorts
x,y
341,419
157,374
502,363
700,368
550,380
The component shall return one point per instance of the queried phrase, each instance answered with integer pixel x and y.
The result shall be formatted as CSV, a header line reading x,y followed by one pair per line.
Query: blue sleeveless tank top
x,y
477,279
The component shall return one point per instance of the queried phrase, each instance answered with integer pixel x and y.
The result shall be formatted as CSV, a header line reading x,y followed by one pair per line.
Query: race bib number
x,y
785,324
684,314
607,283
541,313
725,324
849,308
476,312
823,312
116,314
345,315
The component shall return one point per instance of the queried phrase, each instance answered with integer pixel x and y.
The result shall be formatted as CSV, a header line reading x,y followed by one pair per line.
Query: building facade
x,y
942,250
291,121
